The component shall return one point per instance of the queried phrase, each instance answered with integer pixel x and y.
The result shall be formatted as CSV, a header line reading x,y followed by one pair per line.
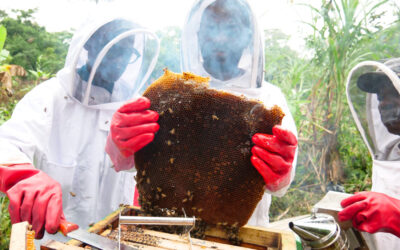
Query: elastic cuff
x,y
277,191
12,174
121,163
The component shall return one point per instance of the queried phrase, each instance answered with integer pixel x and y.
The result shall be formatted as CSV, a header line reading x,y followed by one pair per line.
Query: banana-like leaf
x,y
3,35
6,74
6,83
16,70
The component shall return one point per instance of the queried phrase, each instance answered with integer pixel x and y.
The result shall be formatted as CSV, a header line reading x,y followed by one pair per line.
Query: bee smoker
x,y
320,231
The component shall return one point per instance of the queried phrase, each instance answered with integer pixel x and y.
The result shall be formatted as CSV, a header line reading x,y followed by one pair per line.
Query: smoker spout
x,y
305,235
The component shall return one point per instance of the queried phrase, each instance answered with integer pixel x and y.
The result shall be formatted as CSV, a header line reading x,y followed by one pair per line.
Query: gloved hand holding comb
x,y
273,156
132,127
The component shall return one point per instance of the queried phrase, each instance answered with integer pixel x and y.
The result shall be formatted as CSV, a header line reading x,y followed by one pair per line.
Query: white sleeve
x,y
10,154
26,131
275,96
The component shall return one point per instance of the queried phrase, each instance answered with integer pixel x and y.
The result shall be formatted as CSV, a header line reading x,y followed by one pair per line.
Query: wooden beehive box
x,y
216,238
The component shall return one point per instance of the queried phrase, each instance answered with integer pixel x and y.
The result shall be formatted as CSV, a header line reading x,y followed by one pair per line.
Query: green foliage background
x,y
26,41
331,155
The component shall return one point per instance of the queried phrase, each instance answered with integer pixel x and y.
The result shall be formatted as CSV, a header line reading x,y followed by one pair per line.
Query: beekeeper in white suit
x,y
53,156
221,40
373,95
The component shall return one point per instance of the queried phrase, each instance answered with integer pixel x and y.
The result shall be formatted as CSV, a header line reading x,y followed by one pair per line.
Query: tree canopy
x,y
30,45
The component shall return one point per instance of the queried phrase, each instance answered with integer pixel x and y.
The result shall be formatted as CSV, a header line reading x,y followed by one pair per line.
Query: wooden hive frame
x,y
216,238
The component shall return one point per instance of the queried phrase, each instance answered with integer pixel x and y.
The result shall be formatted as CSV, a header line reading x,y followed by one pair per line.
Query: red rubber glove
x,y
67,227
34,197
133,126
372,212
273,156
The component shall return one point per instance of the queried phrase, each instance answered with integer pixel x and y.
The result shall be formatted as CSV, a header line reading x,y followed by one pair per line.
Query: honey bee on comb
x,y
199,160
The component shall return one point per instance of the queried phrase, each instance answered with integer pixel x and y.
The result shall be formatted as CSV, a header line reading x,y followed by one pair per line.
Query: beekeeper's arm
x,y
274,156
133,126
33,195
372,212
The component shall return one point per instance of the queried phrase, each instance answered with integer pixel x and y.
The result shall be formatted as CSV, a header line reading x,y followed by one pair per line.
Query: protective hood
x,y
108,61
221,40
373,94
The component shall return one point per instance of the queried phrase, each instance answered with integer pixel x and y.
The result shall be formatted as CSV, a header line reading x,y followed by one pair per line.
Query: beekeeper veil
x,y
373,94
221,40
108,61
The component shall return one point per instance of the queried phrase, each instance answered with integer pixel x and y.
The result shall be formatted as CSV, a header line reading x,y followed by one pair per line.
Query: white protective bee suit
x,y
247,76
62,124
382,144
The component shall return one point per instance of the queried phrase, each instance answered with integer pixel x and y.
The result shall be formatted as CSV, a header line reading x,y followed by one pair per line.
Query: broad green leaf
x,y
3,35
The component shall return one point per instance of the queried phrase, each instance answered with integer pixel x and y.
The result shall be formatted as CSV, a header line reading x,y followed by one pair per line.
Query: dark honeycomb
x,y
200,157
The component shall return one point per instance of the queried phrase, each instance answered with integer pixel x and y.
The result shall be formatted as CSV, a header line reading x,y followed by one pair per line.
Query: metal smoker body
x,y
320,231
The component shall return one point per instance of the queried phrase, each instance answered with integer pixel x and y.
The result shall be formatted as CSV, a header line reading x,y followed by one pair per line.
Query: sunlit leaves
x,y
3,35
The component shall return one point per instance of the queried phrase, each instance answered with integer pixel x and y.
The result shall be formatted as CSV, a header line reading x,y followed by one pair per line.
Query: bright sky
x,y
57,15
62,14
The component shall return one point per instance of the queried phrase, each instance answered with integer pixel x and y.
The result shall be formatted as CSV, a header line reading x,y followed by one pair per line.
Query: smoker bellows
x,y
200,157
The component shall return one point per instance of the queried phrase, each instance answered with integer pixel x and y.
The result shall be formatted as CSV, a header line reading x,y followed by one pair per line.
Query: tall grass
x,y
338,44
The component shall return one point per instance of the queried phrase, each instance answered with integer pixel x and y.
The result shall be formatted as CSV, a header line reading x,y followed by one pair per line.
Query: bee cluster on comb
x,y
199,161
